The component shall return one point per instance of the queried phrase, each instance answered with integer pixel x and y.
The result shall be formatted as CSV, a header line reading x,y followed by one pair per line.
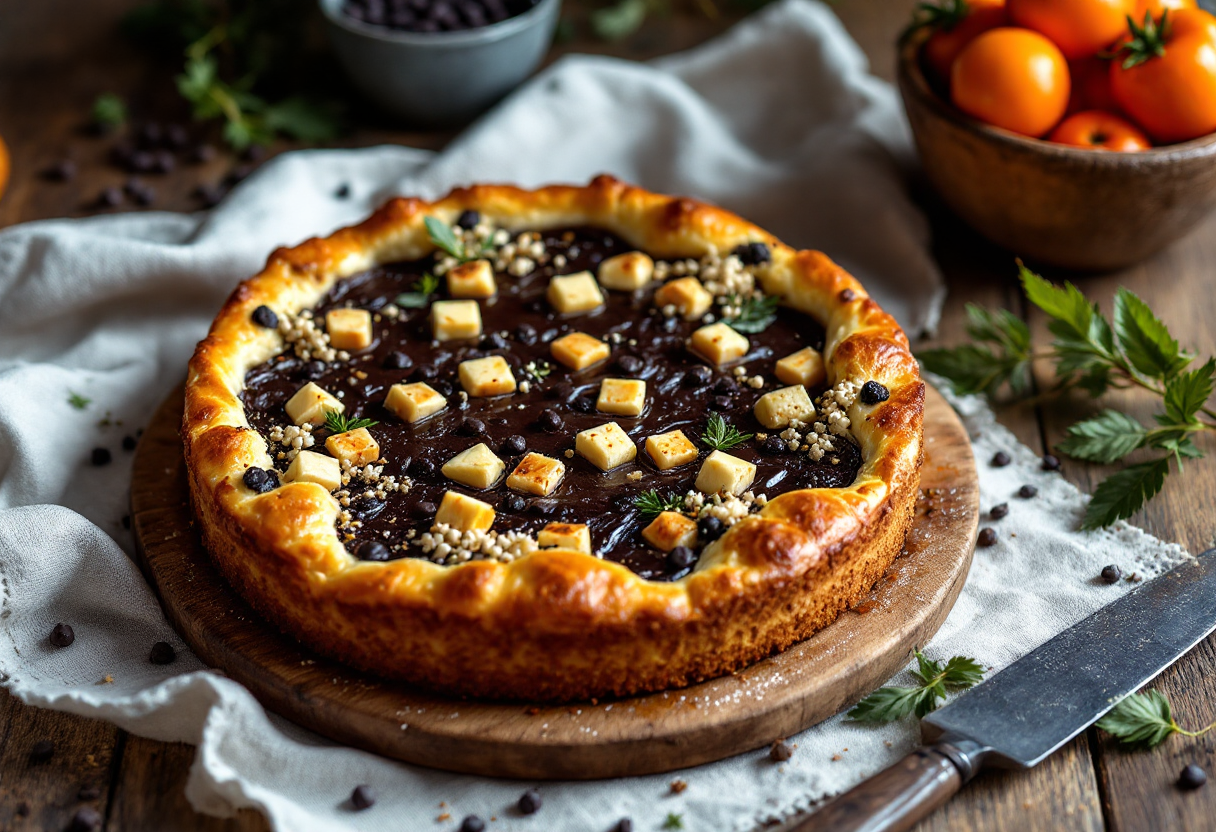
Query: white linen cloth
x,y
777,120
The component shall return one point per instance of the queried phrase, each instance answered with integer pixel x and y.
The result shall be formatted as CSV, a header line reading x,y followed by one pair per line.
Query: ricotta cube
x,y
725,474
453,320
579,350
574,294
621,396
414,402
464,513
349,329
574,536
310,404
626,272
719,343
472,280
687,295
310,466
671,529
537,474
669,450
490,376
476,467
606,447
776,409
358,447
804,367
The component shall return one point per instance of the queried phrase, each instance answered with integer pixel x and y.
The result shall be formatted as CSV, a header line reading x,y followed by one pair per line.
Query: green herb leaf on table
x,y
109,110
1105,438
1122,494
78,401
722,436
1187,392
421,293
935,679
339,423
674,820
651,503
756,314
1145,720
980,369
1144,340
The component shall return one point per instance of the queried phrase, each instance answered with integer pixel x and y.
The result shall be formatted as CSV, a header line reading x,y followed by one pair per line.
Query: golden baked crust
x,y
556,624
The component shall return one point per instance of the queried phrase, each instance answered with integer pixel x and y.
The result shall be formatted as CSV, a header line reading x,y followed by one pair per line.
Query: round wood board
x,y
775,698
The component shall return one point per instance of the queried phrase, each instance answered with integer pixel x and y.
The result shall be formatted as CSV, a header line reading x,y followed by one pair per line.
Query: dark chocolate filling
x,y
519,325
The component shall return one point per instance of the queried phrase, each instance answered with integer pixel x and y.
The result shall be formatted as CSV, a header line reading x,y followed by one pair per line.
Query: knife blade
x,y
1034,706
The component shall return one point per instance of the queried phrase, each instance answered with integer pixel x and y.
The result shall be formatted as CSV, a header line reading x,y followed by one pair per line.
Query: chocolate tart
x,y
551,445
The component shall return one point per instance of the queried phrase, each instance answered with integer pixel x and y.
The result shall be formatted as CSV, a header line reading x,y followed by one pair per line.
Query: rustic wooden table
x,y
57,56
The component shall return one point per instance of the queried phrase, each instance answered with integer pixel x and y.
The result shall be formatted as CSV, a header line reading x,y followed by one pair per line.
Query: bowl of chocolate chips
x,y
439,62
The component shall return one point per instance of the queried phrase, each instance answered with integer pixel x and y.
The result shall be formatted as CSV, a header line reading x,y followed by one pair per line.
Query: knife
x,y
1037,704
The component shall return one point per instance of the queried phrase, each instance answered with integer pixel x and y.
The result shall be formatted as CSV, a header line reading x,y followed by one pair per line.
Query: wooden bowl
x,y
1051,203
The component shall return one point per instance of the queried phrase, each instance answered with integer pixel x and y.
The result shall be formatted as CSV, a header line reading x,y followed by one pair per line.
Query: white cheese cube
x,y
310,466
671,529
606,446
464,513
310,404
579,350
776,409
349,329
414,402
719,343
574,536
358,447
537,474
573,294
621,396
669,450
476,467
472,280
804,367
725,474
626,272
687,295
452,320
490,376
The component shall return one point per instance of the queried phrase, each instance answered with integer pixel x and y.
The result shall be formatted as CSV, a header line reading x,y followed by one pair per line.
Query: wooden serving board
x,y
660,732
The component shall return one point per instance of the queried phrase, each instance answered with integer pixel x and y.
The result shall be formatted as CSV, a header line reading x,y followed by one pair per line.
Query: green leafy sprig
x,y
651,503
448,241
1144,720
1132,349
421,294
78,401
756,314
721,435
933,678
1147,40
336,422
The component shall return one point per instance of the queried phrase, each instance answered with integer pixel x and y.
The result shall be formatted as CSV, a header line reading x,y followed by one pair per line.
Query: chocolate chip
x,y
998,511
543,507
721,403
86,819
62,171
421,467
472,427
202,154
1027,491
710,529
550,421
176,136
753,254
101,456
424,510
680,558
987,537
697,377
1192,777
142,162
363,797
162,653
442,386
209,195
342,192
62,635
530,802
773,445
373,550
584,404
109,197
150,134
526,334
315,369
726,386
780,751
1051,463
424,372
630,364
163,162
88,792
472,823
562,391
261,480
623,825
1000,459
468,219
128,443
42,751
512,502
1111,574
265,316
494,341
872,393
514,444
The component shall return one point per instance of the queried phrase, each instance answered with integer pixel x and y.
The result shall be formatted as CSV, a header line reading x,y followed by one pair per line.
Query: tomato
x,y
1091,85
1171,95
1156,7
1079,27
955,23
1012,78
1101,131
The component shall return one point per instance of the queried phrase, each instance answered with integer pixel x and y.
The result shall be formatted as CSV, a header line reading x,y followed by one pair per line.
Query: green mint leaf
x,y
1107,437
1120,495
1144,340
962,672
109,110
1000,327
78,401
1188,391
619,20
302,118
974,369
1141,719
339,423
445,238
651,503
756,314
927,669
421,294
891,703
722,436
1065,304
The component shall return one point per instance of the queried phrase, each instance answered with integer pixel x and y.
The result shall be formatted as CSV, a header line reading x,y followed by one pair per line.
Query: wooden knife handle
x,y
897,798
